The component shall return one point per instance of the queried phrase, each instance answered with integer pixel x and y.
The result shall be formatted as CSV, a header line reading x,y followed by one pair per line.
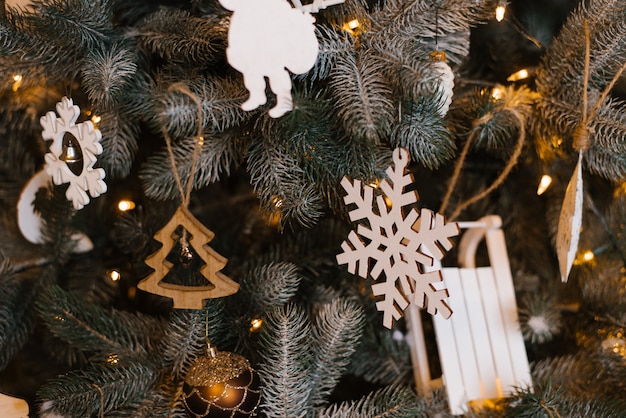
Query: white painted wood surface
x,y
481,348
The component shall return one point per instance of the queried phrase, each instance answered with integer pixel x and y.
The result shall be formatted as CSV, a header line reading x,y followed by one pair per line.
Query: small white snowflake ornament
x,y
86,140
401,246
266,38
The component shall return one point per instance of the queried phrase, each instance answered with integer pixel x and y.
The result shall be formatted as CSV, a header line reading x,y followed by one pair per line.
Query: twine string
x,y
503,174
185,192
582,141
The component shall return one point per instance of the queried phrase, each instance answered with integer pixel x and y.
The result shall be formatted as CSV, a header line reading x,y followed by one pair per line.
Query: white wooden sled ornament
x,y
481,348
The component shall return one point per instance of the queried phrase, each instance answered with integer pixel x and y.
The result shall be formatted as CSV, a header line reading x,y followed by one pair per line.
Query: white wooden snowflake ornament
x,y
88,140
402,247
265,39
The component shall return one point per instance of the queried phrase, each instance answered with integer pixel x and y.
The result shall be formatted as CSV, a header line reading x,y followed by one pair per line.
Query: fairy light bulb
x,y
17,81
519,75
255,324
500,11
544,183
497,92
588,256
353,26
126,205
114,275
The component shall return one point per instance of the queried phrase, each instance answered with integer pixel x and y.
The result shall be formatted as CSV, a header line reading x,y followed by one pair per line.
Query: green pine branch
x,y
389,402
285,349
268,286
424,134
98,389
108,75
92,328
337,329
185,337
178,36
363,97
280,183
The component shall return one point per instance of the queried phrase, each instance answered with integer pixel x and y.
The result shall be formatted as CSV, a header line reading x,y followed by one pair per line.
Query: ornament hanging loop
x,y
185,192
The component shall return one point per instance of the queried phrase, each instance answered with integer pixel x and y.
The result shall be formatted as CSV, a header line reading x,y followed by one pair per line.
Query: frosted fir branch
x,y
269,286
363,97
92,328
331,45
16,314
97,389
178,36
392,401
424,134
285,350
220,98
108,74
219,154
337,329
75,25
119,143
280,183
185,338
393,364
419,19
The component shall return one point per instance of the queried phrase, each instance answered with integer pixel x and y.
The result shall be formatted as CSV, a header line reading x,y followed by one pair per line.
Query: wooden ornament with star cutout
x,y
187,297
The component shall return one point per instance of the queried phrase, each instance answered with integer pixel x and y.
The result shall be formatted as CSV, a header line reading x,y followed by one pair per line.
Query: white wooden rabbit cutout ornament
x,y
266,38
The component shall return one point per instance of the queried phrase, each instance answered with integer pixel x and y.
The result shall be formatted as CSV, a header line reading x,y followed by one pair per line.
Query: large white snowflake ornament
x,y
400,248
86,141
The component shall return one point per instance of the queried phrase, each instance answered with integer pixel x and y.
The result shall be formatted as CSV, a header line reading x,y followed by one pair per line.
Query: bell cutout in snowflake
x,y
187,297
73,153
399,247
270,38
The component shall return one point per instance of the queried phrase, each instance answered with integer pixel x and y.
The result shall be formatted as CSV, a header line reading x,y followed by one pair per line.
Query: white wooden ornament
x,y
570,221
29,221
88,139
266,38
398,245
11,407
445,78
481,348
187,297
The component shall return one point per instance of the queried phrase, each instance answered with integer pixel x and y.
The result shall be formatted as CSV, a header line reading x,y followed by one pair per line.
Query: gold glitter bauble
x,y
219,385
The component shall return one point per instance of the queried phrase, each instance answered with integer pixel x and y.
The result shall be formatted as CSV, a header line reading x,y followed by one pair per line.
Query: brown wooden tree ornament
x,y
187,297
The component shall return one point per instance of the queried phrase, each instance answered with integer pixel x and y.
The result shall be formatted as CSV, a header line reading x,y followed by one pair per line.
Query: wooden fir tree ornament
x,y
219,285
11,407
187,297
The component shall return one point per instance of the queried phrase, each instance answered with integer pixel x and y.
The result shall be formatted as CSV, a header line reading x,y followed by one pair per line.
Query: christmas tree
x,y
145,158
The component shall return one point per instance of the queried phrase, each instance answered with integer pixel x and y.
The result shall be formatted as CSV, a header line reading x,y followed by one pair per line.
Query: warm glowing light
x,y
374,184
255,324
544,183
200,140
277,201
96,119
115,275
497,92
352,26
17,81
113,359
500,10
520,75
588,256
126,205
